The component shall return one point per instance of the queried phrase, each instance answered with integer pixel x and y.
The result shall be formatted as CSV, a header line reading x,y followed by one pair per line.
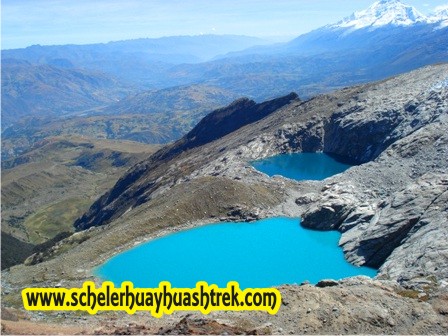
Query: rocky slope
x,y
395,130
44,190
147,177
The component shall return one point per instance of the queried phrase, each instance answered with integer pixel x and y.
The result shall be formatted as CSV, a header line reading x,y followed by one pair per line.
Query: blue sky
x,y
47,22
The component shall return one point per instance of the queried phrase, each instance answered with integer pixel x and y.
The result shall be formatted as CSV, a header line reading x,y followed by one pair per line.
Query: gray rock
x,y
306,199
327,283
394,222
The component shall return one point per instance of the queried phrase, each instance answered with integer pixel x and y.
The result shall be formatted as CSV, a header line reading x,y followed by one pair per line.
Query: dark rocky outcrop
x,y
134,188
14,251
201,326
229,119
363,139
327,283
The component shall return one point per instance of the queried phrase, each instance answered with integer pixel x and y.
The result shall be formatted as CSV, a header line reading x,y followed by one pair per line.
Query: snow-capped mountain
x,y
389,36
440,17
386,23
383,13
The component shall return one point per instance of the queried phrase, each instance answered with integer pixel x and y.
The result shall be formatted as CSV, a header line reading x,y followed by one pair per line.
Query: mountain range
x,y
155,63
134,77
156,90
380,17
386,13
135,61
386,39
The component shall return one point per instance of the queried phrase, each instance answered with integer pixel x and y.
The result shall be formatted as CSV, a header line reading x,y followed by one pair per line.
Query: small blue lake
x,y
261,254
265,253
301,166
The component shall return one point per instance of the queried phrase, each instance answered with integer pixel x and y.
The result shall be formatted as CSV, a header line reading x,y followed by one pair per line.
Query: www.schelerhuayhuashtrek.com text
x,y
159,301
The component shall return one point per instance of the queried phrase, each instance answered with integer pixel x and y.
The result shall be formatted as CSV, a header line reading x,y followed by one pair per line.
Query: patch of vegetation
x,y
47,188
156,128
58,217
413,294
49,243
149,117
14,251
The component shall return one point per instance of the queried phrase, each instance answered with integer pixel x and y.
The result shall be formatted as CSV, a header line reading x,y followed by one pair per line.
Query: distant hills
x,y
155,90
192,98
108,90
157,116
140,61
173,49
386,39
45,90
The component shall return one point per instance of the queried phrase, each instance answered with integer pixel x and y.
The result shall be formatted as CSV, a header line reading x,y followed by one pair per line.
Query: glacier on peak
x,y
440,16
383,13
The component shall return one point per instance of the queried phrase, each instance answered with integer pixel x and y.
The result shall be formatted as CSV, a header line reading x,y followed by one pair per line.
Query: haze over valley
x,y
186,77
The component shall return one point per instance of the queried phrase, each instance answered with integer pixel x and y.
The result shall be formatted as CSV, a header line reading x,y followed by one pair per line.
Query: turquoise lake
x,y
265,253
301,166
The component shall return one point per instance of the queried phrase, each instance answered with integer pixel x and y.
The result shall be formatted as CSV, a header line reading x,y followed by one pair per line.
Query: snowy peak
x,y
383,13
440,16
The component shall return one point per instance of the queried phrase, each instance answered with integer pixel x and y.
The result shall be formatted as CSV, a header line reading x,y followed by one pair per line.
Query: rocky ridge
x,y
148,178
